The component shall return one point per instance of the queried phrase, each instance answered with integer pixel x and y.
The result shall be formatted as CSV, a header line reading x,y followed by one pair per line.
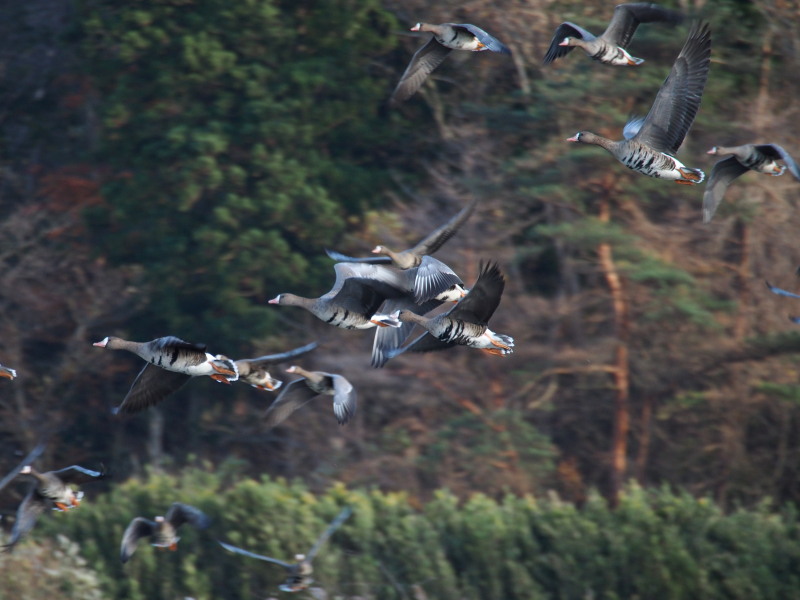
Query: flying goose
x,y
298,574
299,392
467,323
163,529
650,143
7,372
171,362
51,489
446,37
254,370
352,303
609,47
761,158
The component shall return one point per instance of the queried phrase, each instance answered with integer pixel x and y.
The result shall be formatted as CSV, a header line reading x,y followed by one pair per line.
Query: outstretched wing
x,y
424,61
33,455
150,387
243,552
676,104
334,525
78,474
724,171
627,18
564,31
776,152
295,394
180,513
491,42
28,512
436,239
136,530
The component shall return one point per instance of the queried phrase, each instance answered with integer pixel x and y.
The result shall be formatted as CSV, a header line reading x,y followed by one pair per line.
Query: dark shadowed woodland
x,y
169,166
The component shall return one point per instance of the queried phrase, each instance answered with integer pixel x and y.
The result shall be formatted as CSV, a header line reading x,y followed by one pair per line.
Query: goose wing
x,y
150,387
28,512
436,238
180,513
344,397
295,394
627,18
678,100
78,474
338,256
563,31
723,172
332,527
422,64
243,552
777,153
779,291
491,42
33,455
479,304
274,359
136,530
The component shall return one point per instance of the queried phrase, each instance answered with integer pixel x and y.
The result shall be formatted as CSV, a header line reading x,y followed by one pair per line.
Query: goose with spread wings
x,y
298,573
651,143
610,46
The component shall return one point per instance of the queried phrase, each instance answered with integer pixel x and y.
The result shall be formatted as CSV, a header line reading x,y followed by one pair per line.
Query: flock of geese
x,y
396,291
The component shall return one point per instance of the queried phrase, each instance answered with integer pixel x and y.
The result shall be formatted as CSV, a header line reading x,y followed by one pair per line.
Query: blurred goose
x,y
651,142
352,303
446,37
467,324
609,47
177,362
254,370
298,573
163,530
7,372
299,392
761,158
780,292
51,489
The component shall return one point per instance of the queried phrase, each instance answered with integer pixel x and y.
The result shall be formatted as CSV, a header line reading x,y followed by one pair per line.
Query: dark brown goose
x,y
48,490
301,391
352,303
761,158
446,37
650,143
254,370
163,529
467,324
610,46
171,362
298,574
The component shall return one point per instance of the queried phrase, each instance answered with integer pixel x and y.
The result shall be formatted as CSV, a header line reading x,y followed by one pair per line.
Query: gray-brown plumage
x,y
467,324
171,363
610,46
761,158
298,574
446,37
48,490
299,392
163,529
650,143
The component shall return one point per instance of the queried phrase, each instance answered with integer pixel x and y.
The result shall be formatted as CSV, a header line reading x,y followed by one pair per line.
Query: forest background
x,y
167,166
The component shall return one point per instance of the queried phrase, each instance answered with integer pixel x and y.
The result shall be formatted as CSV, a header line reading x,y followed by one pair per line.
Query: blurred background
x,y
168,166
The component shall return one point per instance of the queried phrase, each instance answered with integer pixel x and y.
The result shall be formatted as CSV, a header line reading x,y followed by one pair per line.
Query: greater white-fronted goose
x,y
781,292
352,303
254,370
48,490
467,324
650,143
7,372
171,362
761,158
446,37
298,574
163,529
299,392
609,47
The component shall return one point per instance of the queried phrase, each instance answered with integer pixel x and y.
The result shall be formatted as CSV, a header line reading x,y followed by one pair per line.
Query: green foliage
x,y
656,544
243,136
